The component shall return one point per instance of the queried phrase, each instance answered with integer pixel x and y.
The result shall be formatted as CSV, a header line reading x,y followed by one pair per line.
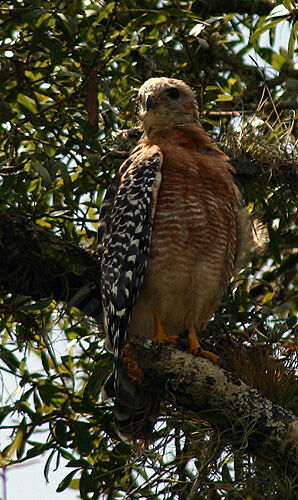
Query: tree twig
x,y
260,7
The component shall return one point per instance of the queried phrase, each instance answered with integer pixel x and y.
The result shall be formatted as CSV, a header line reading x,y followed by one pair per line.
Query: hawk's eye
x,y
173,93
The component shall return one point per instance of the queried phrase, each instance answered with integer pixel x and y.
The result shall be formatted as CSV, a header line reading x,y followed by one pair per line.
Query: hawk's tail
x,y
134,409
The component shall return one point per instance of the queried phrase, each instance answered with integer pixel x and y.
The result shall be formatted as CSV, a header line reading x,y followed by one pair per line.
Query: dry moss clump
x,y
263,148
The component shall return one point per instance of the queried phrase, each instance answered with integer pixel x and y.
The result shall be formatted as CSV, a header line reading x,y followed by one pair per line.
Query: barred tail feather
x,y
134,410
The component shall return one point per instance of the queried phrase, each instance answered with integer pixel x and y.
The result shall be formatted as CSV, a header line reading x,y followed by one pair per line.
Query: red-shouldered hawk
x,y
170,234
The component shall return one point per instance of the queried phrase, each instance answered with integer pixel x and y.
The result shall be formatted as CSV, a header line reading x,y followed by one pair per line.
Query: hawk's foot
x,y
161,337
196,349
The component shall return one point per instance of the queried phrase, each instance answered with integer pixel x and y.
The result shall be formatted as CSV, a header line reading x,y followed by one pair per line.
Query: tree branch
x,y
243,417
260,7
35,262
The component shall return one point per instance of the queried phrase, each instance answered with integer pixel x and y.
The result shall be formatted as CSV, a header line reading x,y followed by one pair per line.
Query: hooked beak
x,y
151,100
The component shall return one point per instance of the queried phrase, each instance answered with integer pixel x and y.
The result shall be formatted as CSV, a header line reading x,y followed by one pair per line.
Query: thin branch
x,y
260,7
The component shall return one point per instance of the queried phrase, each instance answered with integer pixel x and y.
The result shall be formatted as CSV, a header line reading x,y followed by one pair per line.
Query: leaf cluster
x,y
68,77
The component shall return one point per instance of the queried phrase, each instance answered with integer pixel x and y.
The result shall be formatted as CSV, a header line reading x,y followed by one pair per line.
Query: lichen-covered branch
x,y
243,417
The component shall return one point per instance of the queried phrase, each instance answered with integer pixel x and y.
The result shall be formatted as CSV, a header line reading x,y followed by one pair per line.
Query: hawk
x,y
171,228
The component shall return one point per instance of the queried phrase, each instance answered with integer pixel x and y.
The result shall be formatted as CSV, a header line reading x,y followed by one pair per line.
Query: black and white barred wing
x,y
125,234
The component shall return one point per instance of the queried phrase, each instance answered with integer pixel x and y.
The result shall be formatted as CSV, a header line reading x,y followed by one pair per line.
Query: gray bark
x,y
243,416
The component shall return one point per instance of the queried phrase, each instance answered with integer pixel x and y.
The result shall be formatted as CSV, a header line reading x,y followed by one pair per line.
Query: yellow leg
x,y
161,337
195,348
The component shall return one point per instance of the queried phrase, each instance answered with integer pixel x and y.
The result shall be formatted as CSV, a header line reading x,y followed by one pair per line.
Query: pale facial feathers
x,y
166,102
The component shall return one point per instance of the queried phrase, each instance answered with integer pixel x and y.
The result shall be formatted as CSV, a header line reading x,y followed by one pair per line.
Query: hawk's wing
x,y
124,235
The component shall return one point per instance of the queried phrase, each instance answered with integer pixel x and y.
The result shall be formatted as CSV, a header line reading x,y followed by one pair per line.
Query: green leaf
x,y
55,47
20,300
184,13
224,97
45,362
61,432
50,393
38,449
47,465
65,174
284,53
293,39
277,61
226,475
35,14
275,244
268,297
45,175
67,24
27,102
83,438
291,321
6,185
38,306
258,32
37,402
4,411
85,483
9,359
288,4
74,484
152,18
6,111
105,11
66,481
82,463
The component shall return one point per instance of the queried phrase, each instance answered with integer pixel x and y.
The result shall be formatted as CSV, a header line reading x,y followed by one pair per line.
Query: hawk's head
x,y
166,102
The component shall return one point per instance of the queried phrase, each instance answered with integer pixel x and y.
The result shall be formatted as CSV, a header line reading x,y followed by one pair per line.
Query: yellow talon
x,y
161,337
195,347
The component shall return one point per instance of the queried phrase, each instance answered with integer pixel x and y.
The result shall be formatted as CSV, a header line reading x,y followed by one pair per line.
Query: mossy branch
x,y
243,417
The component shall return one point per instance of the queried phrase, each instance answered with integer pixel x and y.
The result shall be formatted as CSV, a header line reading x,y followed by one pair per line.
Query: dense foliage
x,y
68,76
